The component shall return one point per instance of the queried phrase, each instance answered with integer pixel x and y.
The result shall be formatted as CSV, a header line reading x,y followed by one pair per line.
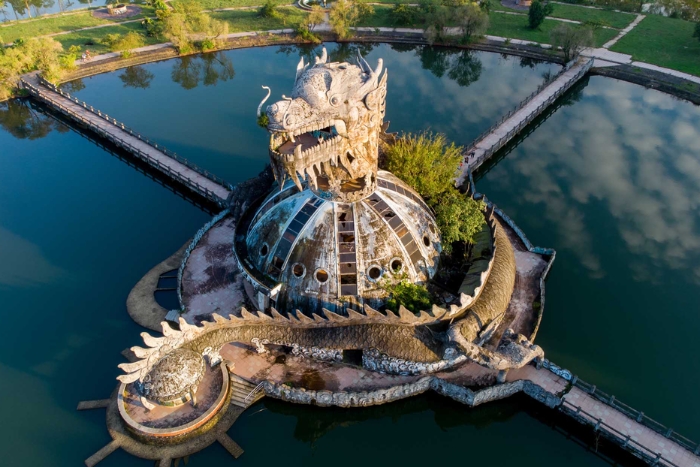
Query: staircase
x,y
244,393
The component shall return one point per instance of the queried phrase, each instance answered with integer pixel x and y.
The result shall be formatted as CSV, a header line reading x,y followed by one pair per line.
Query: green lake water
x,y
610,180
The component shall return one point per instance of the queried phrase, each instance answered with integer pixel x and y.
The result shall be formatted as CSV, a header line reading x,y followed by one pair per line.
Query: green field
x,y
248,20
54,24
90,39
664,42
606,17
216,4
516,27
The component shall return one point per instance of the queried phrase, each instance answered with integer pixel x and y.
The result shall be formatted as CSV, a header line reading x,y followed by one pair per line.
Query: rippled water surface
x,y
611,180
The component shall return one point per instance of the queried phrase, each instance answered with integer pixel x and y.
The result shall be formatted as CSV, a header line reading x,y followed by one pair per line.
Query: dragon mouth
x,y
310,139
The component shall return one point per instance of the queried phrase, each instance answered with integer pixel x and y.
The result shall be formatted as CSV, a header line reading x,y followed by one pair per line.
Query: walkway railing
x,y
636,415
625,409
625,440
526,121
121,142
254,392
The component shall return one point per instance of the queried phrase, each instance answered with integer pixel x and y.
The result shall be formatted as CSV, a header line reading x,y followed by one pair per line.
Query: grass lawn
x,y
56,24
215,4
664,42
515,27
607,17
248,20
89,39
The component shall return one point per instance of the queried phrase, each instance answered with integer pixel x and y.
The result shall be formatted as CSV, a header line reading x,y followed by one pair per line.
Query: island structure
x,y
286,293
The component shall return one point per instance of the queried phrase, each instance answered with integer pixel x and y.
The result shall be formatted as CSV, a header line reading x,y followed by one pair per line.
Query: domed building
x,y
339,230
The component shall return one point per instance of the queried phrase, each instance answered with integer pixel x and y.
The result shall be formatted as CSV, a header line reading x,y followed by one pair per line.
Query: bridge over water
x,y
168,163
499,134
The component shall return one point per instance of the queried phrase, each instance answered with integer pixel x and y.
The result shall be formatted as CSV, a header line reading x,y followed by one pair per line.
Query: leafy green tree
x,y
187,19
459,217
437,21
317,16
404,15
428,163
472,20
347,13
537,13
571,40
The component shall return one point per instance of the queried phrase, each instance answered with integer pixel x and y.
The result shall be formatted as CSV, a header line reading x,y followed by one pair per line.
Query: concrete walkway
x,y
629,27
481,150
156,158
659,446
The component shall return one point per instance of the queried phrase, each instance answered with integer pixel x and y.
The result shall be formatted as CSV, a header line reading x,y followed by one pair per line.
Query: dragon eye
x,y
335,100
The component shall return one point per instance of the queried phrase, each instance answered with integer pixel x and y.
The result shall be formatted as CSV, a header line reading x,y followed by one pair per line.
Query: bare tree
x,y
571,40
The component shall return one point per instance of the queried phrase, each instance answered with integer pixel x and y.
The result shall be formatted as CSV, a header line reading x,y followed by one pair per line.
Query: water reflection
x,y
207,69
21,119
23,263
638,152
136,77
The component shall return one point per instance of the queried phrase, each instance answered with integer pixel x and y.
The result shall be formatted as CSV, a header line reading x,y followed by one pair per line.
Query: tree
x,y
316,16
347,13
414,297
696,32
437,21
537,13
571,40
471,20
404,15
459,218
187,19
428,163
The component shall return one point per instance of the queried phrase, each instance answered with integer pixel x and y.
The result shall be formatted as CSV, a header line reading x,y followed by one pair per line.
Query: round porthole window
x,y
264,249
432,228
396,265
321,276
374,272
426,240
298,270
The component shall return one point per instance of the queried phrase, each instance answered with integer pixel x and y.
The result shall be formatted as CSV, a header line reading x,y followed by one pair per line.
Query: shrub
x,y
537,13
414,297
124,44
696,32
269,10
305,34
428,163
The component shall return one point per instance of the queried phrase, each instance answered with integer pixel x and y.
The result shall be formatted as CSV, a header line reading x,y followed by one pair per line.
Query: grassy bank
x,y
56,24
664,42
516,27
604,17
216,4
248,20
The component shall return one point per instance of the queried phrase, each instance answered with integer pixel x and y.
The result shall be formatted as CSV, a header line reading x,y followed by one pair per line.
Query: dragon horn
x,y
323,58
263,101
363,63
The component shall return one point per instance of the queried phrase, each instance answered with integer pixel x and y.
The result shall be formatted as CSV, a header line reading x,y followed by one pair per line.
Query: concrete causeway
x,y
499,135
178,169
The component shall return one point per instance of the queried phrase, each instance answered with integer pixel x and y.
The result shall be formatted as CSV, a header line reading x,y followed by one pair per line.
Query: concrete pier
x,y
630,429
510,125
177,168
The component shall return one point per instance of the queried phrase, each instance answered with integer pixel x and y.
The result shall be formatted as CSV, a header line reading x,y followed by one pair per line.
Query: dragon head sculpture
x,y
327,133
